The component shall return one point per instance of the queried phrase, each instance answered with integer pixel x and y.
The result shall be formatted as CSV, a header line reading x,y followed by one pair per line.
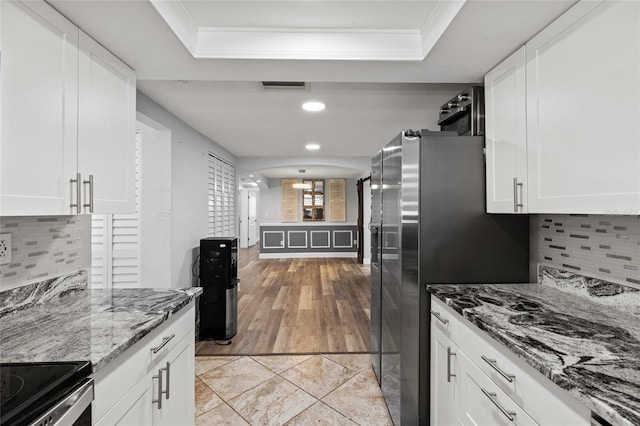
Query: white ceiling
x,y
367,101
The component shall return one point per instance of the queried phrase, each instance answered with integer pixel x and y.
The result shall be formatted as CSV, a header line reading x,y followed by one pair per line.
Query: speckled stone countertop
x,y
581,333
65,321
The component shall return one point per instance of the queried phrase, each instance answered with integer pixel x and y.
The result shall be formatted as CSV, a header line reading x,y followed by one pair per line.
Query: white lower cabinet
x,y
482,403
445,382
152,383
477,382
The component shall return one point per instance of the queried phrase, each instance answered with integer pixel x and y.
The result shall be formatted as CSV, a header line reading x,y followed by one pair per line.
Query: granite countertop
x,y
68,322
581,333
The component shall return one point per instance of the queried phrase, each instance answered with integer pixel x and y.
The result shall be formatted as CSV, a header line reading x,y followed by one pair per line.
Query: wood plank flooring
x,y
298,306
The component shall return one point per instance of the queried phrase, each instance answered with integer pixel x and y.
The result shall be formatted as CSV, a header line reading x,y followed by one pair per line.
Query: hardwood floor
x,y
298,306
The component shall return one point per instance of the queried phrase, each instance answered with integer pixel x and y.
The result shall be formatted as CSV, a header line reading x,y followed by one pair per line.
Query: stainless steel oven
x,y
464,113
46,394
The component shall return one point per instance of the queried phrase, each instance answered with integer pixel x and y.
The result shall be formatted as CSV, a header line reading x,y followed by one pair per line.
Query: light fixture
x,y
313,106
250,175
258,180
301,186
312,146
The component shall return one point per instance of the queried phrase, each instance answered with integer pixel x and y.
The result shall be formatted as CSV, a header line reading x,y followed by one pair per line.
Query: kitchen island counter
x,y
65,321
583,334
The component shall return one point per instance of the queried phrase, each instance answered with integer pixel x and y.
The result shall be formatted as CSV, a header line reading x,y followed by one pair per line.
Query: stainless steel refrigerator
x,y
429,226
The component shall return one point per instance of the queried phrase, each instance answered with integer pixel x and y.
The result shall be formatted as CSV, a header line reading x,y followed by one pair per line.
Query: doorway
x,y
248,217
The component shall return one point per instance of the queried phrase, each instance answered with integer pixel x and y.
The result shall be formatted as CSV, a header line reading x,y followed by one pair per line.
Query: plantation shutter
x,y
115,242
222,198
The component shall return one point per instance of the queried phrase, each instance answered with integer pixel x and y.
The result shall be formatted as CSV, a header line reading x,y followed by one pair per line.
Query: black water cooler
x,y
219,282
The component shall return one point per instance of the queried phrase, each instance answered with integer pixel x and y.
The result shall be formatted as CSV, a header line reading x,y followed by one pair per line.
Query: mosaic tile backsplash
x,y
606,247
43,248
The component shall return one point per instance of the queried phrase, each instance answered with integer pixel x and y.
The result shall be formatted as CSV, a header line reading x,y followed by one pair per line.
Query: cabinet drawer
x,y
482,403
445,319
121,374
543,400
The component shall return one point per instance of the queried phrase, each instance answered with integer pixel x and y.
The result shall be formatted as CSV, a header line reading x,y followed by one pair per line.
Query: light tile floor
x,y
291,390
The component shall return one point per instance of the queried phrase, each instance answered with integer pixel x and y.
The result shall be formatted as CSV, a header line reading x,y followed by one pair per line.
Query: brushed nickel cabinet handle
x,y
168,384
159,400
517,205
163,344
494,364
492,396
168,370
90,204
449,373
437,315
77,181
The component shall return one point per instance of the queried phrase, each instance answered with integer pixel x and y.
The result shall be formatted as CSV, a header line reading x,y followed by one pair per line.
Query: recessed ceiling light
x,y
258,180
312,146
250,175
313,106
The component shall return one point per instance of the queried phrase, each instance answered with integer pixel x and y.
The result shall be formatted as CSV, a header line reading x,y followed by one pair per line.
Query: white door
x,y
582,111
252,219
506,136
445,387
107,129
244,218
178,404
39,82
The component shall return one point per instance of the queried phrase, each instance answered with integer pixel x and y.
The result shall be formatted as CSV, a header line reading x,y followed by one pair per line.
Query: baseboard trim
x,y
306,255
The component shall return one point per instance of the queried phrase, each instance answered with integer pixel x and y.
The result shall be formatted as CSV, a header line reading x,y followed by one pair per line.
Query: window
x,y
313,199
222,198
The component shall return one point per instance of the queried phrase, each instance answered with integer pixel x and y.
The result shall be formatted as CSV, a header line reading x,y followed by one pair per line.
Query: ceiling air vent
x,y
283,84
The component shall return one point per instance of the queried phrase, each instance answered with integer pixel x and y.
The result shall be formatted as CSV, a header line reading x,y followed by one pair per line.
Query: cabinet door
x,y
506,139
445,387
39,95
178,407
133,409
106,135
583,109
482,403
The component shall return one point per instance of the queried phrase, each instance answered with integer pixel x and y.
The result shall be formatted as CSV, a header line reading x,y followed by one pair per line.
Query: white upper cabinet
x,y
106,148
68,118
583,111
39,95
506,138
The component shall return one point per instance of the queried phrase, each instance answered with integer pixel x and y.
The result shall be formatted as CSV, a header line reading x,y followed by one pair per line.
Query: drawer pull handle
x,y
437,315
494,364
163,344
166,391
449,373
159,400
492,396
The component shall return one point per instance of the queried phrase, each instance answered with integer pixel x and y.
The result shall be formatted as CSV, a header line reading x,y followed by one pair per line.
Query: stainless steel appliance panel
x,y
374,228
460,242
391,275
410,288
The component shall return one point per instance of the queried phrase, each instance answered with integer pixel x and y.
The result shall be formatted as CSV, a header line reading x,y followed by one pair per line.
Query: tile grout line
x,y
317,400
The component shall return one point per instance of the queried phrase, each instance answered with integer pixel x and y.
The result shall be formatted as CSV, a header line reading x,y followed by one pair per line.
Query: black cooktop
x,y
28,389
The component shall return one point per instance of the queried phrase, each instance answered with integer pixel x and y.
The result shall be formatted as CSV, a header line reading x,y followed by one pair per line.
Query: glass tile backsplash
x,y
606,247
44,247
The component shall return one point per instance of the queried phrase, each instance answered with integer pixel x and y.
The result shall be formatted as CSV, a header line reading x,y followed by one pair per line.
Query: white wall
x,y
155,213
189,192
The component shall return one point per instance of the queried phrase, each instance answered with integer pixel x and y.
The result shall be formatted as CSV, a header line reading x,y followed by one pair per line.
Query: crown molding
x,y
437,23
308,44
177,17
